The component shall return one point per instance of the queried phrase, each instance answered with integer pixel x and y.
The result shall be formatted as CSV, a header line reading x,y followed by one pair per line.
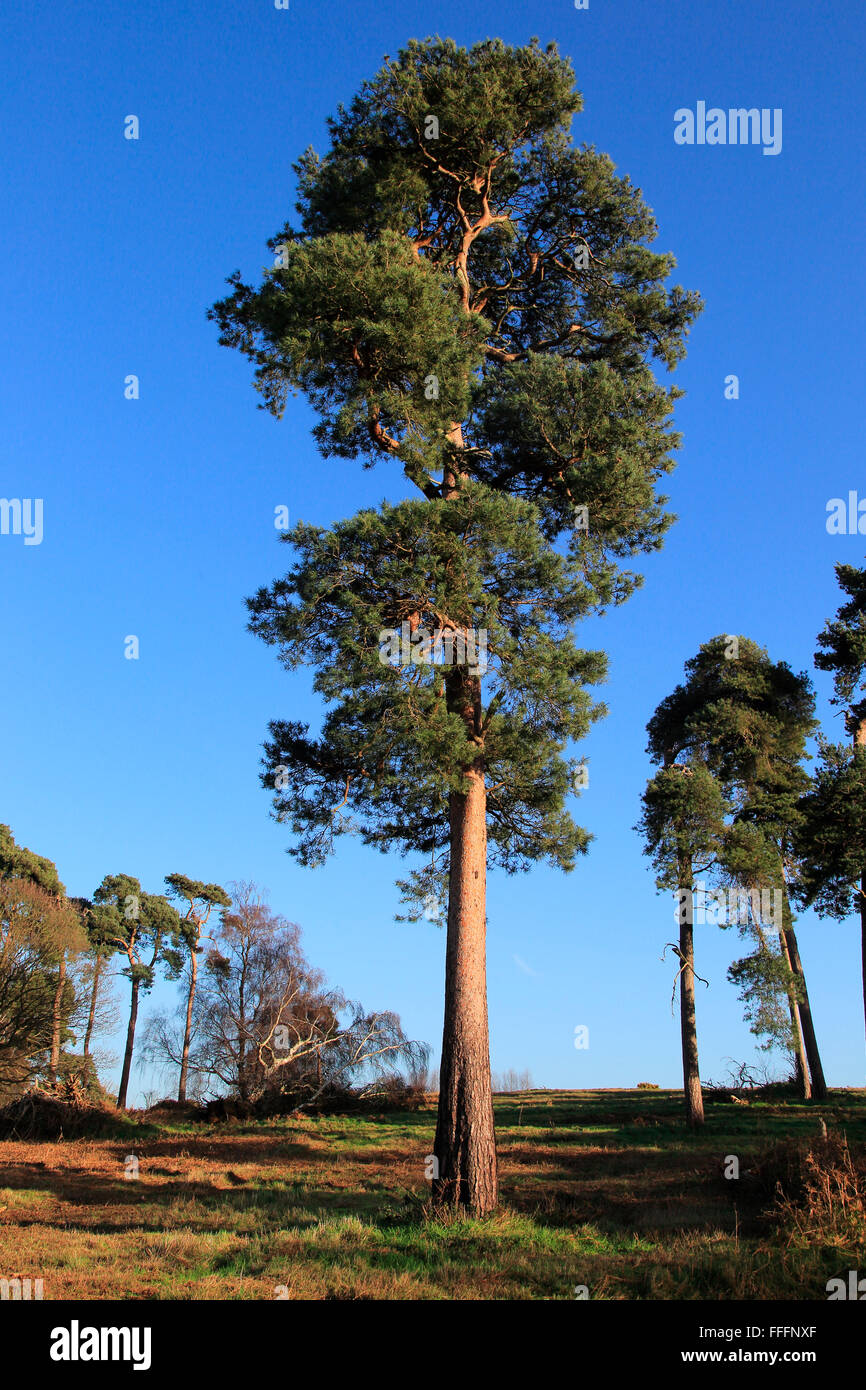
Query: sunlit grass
x,y
606,1190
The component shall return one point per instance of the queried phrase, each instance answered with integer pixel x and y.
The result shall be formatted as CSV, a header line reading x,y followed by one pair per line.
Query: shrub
x,y
171,1111
56,1112
81,1072
816,1188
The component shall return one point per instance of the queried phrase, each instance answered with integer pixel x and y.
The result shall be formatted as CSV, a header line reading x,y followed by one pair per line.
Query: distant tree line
x,y
254,1017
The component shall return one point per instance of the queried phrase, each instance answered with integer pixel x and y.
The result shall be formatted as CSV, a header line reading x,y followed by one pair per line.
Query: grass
x,y
605,1190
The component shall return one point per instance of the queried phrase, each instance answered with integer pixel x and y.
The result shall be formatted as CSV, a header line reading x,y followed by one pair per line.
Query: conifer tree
x,y
142,927
473,297
683,824
832,840
749,719
765,978
200,898
18,862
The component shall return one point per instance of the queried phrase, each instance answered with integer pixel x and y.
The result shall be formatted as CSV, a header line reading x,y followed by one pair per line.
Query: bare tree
x,y
511,1081
97,1008
265,1020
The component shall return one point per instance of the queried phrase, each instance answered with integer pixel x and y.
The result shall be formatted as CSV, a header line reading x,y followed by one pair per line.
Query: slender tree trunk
x,y
243,1086
55,1030
130,1043
804,1009
94,992
465,1144
804,1013
692,1093
801,1070
860,742
863,936
187,1032
801,1061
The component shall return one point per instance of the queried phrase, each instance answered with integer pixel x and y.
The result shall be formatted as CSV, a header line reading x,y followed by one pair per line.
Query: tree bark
x,y
860,742
243,1085
187,1032
801,1069
465,1144
91,1016
804,1012
130,1042
692,1093
863,936
55,1030
801,1063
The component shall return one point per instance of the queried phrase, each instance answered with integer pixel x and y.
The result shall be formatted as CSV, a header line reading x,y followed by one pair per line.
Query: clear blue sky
x,y
158,513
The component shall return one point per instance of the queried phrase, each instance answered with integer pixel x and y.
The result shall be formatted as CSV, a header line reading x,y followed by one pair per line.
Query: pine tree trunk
x,y
804,1011
801,1074
55,1030
801,1066
465,1144
91,1016
860,742
801,1069
130,1042
863,936
692,1093
187,1032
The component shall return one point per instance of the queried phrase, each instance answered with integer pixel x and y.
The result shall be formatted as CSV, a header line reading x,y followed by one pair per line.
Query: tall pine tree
x,y
683,825
201,899
145,928
473,297
749,718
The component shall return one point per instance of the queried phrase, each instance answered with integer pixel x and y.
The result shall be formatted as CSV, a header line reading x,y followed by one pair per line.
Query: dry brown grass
x,y
603,1189
818,1188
